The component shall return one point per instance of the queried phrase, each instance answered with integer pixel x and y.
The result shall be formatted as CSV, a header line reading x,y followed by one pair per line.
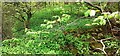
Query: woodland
x,y
69,28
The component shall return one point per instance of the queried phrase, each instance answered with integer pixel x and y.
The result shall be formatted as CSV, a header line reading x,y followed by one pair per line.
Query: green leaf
x,y
87,13
99,21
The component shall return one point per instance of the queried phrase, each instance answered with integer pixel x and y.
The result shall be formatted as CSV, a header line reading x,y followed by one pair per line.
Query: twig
x,y
95,6
94,39
101,41
104,39
117,52
110,27
107,39
103,49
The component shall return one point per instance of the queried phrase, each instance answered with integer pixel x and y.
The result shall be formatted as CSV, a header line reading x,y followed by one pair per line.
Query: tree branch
x,y
18,18
95,6
103,48
21,15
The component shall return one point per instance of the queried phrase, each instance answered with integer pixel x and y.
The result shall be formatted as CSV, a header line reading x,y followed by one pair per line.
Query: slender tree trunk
x,y
27,24
29,14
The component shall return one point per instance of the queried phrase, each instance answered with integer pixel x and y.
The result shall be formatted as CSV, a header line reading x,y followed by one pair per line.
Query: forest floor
x,y
71,35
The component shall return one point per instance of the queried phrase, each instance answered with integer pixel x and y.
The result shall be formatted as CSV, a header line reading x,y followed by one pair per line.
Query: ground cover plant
x,y
61,28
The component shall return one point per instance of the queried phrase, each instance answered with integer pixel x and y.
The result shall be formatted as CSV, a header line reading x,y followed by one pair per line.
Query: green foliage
x,y
65,18
87,13
55,29
79,24
99,21
90,13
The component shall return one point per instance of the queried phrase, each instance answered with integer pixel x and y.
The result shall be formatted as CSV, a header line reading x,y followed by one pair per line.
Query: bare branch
x,y
95,6
117,52
103,49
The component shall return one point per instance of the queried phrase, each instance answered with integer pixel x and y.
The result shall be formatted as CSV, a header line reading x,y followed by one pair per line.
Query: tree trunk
x,y
29,14
27,24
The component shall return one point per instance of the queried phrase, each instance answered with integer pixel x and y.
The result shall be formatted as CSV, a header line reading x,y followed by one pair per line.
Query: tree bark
x,y
28,24
29,14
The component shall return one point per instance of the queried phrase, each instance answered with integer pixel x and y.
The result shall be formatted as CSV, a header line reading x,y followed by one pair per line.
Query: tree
x,y
24,11
13,12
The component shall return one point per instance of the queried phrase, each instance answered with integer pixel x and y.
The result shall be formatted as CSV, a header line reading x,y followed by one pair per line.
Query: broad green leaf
x,y
87,13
